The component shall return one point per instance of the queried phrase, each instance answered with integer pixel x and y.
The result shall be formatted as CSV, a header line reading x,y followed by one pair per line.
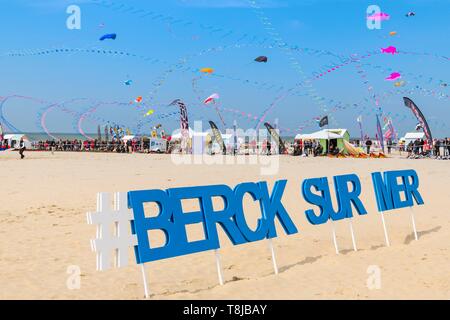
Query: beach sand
x,y
43,231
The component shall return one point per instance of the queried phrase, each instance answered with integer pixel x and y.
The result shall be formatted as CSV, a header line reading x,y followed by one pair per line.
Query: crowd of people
x,y
419,148
440,148
118,146
309,148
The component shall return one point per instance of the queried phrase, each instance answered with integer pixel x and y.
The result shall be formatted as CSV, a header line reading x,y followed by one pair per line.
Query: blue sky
x,y
167,42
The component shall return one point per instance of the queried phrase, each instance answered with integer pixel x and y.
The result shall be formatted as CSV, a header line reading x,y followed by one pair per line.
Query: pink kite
x,y
394,76
212,98
379,16
390,49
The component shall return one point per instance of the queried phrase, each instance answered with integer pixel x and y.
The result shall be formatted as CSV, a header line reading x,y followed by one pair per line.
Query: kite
x,y
410,14
111,36
207,70
261,59
138,99
379,16
392,33
128,82
390,49
149,112
394,76
399,84
212,98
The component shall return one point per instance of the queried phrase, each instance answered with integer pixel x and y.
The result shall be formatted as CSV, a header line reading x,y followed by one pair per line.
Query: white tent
x,y
320,135
413,136
192,133
126,138
14,140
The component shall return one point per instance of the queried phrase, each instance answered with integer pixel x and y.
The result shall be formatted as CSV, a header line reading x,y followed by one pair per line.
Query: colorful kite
x,y
379,16
390,49
392,33
138,99
149,112
261,59
207,70
399,84
111,36
394,76
212,98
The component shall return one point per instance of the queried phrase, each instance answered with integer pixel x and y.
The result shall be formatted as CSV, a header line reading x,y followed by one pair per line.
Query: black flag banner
x,y
323,121
420,117
218,136
276,137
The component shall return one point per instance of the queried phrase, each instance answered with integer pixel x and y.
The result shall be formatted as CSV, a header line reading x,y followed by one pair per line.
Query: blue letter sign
x,y
388,191
344,196
172,220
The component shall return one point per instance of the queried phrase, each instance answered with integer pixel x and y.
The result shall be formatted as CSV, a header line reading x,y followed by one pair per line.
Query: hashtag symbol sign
x,y
108,244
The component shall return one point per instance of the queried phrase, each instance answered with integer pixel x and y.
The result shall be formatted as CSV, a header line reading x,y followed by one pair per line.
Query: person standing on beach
x,y
21,148
368,145
437,148
389,146
447,145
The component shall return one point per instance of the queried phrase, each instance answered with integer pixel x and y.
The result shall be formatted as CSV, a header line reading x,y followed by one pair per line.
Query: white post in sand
x,y
334,237
385,230
414,224
144,279
274,260
219,267
353,234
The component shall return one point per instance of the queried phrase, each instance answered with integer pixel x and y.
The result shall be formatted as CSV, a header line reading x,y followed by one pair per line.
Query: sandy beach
x,y
43,231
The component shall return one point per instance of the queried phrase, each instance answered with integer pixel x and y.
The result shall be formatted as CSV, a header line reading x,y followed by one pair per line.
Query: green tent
x,y
333,136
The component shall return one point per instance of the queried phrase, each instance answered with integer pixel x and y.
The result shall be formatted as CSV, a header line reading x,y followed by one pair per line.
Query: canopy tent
x,y
335,136
320,135
413,136
192,133
14,140
126,138
197,142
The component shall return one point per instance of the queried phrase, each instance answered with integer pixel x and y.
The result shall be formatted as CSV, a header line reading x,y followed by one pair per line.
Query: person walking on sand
x,y
21,148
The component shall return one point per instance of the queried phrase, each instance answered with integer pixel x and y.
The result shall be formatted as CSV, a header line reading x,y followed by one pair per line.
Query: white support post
x,y
353,234
334,237
385,230
274,260
144,279
414,224
219,267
